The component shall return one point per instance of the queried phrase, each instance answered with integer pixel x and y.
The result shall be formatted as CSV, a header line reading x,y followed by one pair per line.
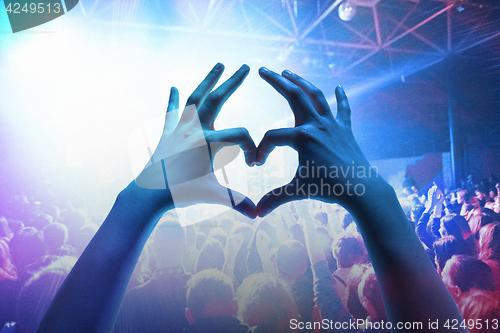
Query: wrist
x,y
149,201
428,208
379,209
372,190
139,209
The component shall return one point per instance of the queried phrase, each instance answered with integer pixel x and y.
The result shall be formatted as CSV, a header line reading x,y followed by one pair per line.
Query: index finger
x,y
316,96
201,92
211,106
297,99
343,108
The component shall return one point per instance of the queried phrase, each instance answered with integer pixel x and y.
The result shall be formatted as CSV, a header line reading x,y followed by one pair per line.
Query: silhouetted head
x,y
462,273
38,292
347,250
26,248
211,256
55,235
370,296
481,306
264,301
489,242
353,304
210,294
447,247
292,260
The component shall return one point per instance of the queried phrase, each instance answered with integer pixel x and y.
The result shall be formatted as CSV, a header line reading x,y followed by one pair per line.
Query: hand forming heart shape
x,y
332,167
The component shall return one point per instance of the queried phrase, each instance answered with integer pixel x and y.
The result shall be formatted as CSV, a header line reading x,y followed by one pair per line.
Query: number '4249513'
x,y
40,8
476,324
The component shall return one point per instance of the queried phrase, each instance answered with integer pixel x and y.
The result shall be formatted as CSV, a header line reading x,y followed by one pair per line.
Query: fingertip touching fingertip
x,y
260,159
251,163
263,211
250,213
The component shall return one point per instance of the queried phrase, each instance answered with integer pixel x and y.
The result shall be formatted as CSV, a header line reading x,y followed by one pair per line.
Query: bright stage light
x,y
74,96
347,11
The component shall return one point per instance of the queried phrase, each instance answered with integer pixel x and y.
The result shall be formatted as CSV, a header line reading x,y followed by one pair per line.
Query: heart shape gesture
x,y
332,167
180,172
183,160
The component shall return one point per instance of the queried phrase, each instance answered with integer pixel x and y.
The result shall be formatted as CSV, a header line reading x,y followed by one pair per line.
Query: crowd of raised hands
x,y
297,265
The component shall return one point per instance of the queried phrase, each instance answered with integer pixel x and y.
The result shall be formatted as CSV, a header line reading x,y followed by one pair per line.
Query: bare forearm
x,y
316,253
267,263
229,263
89,299
404,271
412,289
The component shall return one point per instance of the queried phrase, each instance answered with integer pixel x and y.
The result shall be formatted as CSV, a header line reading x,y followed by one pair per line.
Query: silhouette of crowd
x,y
303,265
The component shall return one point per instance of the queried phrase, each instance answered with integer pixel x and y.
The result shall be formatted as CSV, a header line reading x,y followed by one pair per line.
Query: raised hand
x,y
332,167
434,197
263,241
179,173
430,194
234,243
183,161
90,297
233,246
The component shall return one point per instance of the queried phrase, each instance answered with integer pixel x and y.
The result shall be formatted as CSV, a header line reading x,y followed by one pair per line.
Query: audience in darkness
x,y
236,275
29,272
